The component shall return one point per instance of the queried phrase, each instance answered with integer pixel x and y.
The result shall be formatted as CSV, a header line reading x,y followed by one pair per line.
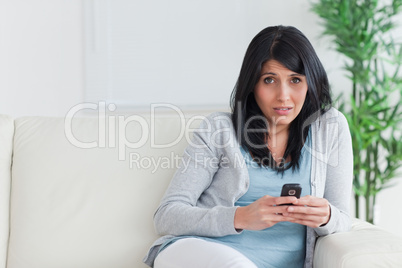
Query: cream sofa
x,y
81,193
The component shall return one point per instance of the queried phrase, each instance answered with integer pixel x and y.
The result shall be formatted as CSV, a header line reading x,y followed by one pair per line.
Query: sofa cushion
x,y
81,197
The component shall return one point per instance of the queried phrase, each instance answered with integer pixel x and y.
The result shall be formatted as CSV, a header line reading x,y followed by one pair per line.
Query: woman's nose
x,y
283,93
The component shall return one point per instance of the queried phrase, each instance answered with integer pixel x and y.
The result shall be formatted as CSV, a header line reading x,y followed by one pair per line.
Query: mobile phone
x,y
291,189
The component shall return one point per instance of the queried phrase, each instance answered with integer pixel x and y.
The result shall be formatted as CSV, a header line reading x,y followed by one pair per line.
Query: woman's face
x,y
280,94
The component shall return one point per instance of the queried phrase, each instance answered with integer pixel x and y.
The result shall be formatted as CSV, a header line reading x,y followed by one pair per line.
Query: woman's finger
x,y
311,201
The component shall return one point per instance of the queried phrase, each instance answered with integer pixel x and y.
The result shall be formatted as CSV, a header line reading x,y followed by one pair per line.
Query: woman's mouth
x,y
283,110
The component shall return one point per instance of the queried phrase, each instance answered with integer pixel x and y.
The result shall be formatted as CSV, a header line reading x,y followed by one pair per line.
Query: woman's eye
x,y
295,80
268,80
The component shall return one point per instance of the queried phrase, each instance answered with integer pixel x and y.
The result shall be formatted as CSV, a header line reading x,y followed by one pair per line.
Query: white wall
x,y
182,56
42,68
41,52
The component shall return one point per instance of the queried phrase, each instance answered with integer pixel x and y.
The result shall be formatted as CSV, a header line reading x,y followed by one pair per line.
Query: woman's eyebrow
x,y
270,73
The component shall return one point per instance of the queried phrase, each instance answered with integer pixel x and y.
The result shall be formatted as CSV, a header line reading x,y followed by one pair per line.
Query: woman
x,y
223,208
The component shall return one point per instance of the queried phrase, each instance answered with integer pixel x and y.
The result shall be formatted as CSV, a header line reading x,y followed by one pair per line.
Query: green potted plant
x,y
362,31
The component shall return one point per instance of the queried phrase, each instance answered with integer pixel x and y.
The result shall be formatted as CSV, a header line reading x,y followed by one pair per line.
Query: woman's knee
x,y
199,253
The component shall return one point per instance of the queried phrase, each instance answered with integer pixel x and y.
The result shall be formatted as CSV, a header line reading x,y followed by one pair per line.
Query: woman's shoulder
x,y
331,125
331,116
334,113
219,115
217,128
218,120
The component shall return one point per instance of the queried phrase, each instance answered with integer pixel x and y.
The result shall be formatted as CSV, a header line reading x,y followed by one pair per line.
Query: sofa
x,y
80,192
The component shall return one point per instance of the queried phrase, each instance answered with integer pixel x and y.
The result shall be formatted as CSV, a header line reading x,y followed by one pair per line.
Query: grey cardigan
x,y
213,176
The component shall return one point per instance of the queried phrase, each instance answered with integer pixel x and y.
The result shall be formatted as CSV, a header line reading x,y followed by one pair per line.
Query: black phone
x,y
291,189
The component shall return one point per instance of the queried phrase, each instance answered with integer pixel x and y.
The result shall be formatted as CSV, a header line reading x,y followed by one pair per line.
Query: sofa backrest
x,y
84,190
6,141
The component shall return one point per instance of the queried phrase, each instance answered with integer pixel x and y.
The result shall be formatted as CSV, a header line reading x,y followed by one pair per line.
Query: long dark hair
x,y
293,50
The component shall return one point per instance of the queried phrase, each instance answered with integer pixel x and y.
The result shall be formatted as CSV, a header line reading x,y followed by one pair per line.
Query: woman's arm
x,y
178,213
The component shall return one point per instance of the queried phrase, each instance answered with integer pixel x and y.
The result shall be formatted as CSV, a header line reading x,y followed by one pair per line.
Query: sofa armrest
x,y
366,245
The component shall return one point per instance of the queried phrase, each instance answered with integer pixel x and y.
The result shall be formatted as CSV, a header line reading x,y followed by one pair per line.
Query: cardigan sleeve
x,y
339,176
178,212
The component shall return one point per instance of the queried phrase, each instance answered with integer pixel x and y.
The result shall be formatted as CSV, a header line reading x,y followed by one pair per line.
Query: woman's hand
x,y
263,213
310,211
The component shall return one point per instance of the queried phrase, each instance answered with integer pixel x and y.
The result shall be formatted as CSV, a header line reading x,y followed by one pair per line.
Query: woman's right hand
x,y
262,213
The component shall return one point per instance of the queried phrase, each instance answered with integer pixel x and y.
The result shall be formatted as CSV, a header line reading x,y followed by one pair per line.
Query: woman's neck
x,y
277,142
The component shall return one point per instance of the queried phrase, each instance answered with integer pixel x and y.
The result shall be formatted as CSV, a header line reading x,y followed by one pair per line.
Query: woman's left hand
x,y
310,211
